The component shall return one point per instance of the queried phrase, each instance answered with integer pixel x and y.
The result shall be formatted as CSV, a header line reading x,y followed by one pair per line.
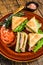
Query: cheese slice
x,y
16,21
34,38
33,24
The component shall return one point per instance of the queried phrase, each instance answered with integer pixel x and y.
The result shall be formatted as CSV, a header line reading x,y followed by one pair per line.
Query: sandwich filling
x,y
21,42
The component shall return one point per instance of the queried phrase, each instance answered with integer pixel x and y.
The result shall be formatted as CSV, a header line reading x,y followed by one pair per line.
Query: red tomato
x,y
7,36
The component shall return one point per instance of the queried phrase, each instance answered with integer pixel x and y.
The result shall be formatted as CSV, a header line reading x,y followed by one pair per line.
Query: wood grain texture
x,y
21,2
40,60
7,6
40,8
37,12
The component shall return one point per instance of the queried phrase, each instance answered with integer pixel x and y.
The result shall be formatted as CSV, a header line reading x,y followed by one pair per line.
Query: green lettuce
x,y
40,42
40,31
21,26
38,46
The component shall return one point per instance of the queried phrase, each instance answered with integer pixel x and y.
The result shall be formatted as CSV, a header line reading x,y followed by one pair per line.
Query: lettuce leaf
x,y
38,46
40,31
21,26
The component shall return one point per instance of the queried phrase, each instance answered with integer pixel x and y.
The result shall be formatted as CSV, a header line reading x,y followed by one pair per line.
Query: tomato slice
x,y
7,36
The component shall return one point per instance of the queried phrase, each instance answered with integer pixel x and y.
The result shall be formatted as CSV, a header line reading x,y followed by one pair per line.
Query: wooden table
x,y
7,6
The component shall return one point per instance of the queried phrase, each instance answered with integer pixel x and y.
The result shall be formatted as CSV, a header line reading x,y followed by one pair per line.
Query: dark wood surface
x,y
7,6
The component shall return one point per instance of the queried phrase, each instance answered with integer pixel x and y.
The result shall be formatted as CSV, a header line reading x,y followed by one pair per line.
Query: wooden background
x,y
8,6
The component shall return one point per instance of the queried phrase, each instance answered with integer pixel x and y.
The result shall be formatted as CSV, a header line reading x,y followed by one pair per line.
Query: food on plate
x,y
18,23
14,28
21,42
33,25
7,36
35,41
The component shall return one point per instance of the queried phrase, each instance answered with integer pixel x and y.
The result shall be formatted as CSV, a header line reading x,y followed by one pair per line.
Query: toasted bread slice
x,y
34,38
16,21
33,25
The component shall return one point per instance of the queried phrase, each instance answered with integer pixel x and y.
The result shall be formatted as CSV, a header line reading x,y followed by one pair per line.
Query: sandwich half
x,y
34,39
21,42
33,25
18,23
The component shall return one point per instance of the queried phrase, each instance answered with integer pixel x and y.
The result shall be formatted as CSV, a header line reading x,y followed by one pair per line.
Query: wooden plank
x,y
0,63
40,60
7,6
21,2
13,63
37,12
10,5
1,2
15,2
40,8
18,63
24,63
33,63
28,63
40,1
3,9
28,0
0,15
5,61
